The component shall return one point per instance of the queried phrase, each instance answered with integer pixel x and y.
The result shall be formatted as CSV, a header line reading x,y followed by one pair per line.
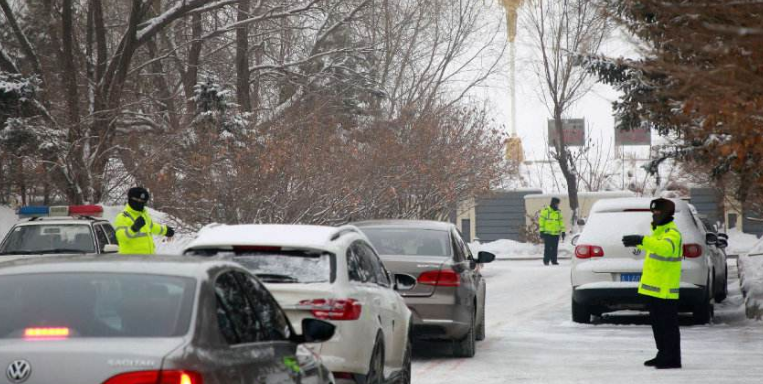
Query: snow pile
x,y
751,280
515,250
740,242
7,219
750,265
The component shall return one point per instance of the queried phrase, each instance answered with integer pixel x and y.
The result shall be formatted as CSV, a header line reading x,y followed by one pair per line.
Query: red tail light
x,y
343,375
692,250
333,309
156,377
440,278
588,251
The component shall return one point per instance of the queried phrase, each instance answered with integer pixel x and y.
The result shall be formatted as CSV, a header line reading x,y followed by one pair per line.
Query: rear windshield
x,y
95,305
49,238
285,267
409,242
611,226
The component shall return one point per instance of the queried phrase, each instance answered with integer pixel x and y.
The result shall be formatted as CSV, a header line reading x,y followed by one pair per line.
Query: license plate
x,y
630,277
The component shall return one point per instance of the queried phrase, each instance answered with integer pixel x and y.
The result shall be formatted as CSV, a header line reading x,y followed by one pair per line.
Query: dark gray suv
x,y
438,276
141,319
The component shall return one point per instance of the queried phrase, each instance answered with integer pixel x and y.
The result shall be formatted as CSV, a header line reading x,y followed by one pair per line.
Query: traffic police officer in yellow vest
x,y
134,226
660,281
551,225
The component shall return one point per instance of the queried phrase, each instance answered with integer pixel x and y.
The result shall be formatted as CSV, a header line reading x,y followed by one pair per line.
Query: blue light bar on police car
x,y
60,210
33,211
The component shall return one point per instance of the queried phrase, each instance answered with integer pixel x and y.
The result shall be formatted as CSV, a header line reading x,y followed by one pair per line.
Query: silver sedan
x,y
147,319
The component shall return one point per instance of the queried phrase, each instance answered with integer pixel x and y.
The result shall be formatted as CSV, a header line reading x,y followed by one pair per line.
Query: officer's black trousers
x,y
551,248
664,316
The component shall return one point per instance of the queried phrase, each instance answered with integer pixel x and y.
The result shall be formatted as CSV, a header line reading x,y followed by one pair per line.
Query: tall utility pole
x,y
514,149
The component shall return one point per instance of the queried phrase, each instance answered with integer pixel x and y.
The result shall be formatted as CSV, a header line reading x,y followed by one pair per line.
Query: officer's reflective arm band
x,y
129,233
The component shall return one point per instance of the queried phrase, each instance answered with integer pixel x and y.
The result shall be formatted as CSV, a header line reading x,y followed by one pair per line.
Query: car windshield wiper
x,y
61,250
275,278
19,253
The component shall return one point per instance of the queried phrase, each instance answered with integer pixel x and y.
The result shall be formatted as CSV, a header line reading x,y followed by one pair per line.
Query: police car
x,y
75,229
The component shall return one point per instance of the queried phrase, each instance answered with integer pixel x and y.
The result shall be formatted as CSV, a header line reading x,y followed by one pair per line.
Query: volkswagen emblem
x,y
636,252
19,371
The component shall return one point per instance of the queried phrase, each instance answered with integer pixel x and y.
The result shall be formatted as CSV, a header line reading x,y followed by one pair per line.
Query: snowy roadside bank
x,y
751,280
750,266
515,250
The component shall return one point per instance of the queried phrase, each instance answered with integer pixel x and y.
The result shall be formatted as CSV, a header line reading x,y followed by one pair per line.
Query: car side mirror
x,y
722,243
723,236
404,282
711,238
315,331
581,222
110,248
485,257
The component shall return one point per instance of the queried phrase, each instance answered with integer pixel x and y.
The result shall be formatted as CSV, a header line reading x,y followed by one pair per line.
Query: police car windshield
x,y
48,238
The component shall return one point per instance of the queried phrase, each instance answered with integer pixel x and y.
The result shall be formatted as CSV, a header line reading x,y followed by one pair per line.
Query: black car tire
x,y
467,347
724,292
703,312
580,313
481,321
405,373
375,373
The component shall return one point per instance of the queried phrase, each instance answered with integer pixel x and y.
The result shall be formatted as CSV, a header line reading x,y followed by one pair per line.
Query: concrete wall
x,y
501,216
708,203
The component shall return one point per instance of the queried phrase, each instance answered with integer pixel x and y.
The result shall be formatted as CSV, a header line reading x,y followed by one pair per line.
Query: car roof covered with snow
x,y
276,235
139,264
631,203
418,224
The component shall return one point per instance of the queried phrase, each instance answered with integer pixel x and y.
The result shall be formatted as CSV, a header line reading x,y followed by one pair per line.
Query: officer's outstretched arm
x,y
159,229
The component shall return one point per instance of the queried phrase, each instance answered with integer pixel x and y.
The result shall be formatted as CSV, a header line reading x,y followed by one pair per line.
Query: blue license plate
x,y
630,277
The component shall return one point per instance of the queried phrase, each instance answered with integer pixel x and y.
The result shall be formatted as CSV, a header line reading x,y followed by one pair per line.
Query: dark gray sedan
x,y
438,277
147,319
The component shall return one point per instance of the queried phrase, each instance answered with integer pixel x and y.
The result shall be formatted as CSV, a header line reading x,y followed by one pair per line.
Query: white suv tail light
x,y
588,251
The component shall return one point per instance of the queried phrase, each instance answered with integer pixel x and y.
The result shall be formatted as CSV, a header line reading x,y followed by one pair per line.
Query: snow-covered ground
x,y
530,339
512,250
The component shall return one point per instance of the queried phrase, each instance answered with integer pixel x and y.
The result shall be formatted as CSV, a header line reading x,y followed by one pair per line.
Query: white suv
x,y
332,274
605,274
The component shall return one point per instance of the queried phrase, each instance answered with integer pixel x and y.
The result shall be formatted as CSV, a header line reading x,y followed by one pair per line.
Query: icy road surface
x,y
531,339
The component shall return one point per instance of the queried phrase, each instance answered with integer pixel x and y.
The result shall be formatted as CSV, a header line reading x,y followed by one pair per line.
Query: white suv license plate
x,y
630,277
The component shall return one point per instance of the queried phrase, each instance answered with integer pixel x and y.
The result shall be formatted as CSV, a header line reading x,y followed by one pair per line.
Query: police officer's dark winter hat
x,y
138,193
555,200
665,206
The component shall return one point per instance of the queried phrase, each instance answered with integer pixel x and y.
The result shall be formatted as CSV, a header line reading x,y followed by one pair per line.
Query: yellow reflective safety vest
x,y
661,277
551,221
141,242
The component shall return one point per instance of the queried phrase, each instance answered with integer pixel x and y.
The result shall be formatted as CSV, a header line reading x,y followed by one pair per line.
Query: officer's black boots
x,y
651,363
664,365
